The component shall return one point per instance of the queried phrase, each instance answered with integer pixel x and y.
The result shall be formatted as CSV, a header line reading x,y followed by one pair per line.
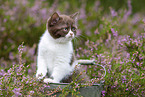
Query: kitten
x,y
55,49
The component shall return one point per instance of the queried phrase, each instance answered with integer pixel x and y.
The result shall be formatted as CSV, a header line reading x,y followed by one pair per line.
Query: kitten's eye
x,y
65,29
73,29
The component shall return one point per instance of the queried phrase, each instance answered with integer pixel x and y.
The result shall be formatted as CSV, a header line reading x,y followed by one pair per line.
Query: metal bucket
x,y
88,91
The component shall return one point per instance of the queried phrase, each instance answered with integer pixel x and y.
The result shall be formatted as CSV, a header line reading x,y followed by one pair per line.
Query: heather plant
x,y
113,36
16,82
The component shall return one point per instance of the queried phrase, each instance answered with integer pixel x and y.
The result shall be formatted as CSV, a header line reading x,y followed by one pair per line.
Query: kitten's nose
x,y
71,34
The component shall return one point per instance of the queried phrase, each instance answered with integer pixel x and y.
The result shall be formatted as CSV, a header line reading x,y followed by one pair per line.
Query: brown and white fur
x,y
55,49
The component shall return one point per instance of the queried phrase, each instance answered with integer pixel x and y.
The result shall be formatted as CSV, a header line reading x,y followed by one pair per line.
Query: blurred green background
x,y
25,20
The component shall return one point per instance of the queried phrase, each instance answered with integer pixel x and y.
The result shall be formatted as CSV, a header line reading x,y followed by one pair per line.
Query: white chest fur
x,y
54,58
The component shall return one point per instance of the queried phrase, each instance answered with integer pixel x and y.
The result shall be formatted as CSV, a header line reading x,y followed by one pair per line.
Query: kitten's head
x,y
62,27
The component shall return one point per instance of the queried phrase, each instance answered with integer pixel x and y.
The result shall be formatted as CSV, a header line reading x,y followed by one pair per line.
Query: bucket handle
x,y
91,62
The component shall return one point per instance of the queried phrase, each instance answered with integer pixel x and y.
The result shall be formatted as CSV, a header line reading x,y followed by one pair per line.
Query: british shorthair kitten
x,y
55,49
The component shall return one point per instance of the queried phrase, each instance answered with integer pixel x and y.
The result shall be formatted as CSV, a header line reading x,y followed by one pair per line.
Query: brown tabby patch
x,y
59,25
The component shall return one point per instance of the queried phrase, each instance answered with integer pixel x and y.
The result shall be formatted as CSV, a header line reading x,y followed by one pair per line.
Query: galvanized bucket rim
x,y
95,84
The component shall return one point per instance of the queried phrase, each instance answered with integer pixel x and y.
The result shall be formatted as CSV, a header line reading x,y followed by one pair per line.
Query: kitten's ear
x,y
74,16
54,18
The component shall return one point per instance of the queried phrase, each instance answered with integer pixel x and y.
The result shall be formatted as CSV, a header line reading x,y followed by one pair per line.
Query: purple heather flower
x,y
134,34
2,28
127,89
17,92
114,32
31,92
82,11
137,63
96,31
113,13
128,12
46,86
103,92
97,3
78,32
5,20
124,77
11,56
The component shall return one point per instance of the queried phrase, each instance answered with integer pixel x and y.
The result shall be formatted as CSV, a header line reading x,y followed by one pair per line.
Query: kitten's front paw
x,y
49,80
39,76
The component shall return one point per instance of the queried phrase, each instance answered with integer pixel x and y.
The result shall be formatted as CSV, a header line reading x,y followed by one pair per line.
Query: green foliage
x,y
110,32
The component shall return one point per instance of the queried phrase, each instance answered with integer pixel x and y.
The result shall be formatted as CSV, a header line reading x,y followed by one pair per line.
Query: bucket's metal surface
x,y
88,91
